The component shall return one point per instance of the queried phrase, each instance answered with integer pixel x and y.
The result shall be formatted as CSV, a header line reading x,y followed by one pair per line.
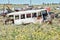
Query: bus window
x,y
16,17
39,14
22,16
34,15
28,15
11,16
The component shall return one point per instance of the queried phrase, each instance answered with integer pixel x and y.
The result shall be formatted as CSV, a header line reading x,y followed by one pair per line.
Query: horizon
x,y
30,2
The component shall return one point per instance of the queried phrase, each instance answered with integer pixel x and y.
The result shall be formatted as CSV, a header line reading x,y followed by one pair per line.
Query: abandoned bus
x,y
28,16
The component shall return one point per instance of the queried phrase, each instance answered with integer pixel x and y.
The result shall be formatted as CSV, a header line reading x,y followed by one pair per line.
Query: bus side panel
x,y
17,22
28,20
24,21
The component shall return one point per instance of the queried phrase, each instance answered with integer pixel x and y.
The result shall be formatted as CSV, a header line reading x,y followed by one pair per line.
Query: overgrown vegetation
x,y
31,31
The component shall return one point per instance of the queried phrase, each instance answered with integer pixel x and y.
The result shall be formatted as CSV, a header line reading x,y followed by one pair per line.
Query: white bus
x,y
28,16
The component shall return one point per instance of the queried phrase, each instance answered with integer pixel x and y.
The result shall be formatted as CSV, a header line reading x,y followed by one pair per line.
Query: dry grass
x,y
31,31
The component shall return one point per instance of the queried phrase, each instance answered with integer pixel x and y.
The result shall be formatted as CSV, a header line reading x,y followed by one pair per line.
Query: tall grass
x,y
30,32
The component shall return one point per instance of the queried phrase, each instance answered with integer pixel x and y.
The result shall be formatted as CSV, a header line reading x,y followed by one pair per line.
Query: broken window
x,y
11,17
39,14
28,15
22,16
16,17
34,15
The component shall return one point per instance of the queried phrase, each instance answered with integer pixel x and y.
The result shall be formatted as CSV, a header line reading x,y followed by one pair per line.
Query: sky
x,y
28,1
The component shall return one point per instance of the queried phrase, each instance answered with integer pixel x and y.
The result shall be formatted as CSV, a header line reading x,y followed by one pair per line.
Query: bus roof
x,y
25,12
